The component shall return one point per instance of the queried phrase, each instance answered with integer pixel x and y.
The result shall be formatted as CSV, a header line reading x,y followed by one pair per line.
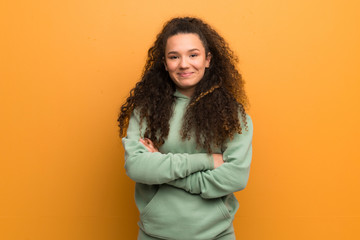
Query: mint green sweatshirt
x,y
178,192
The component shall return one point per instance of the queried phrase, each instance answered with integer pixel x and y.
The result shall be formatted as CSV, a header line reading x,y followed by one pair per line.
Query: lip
x,y
185,74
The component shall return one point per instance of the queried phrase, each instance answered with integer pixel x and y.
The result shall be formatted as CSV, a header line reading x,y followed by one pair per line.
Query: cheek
x,y
170,66
202,65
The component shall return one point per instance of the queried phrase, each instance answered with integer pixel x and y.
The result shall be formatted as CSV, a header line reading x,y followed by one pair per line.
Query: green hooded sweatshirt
x,y
178,192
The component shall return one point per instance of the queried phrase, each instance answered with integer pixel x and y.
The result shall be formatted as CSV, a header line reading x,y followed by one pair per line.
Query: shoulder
x,y
249,120
136,124
245,120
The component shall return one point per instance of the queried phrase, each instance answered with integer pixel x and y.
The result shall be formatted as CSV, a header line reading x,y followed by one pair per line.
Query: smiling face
x,y
186,60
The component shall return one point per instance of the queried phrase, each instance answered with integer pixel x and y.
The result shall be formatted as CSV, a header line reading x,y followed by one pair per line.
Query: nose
x,y
184,63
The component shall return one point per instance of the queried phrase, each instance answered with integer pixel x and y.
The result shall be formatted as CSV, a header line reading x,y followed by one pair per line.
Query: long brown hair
x,y
219,99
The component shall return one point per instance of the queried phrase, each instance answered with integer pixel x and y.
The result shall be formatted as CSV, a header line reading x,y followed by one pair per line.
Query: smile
x,y
185,74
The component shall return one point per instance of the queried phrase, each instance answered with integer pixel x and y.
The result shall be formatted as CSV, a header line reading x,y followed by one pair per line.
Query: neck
x,y
187,92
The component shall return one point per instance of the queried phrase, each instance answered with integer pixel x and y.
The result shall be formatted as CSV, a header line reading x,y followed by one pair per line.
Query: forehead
x,y
184,42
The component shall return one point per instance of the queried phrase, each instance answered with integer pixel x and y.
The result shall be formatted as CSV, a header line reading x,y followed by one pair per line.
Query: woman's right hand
x,y
218,160
149,145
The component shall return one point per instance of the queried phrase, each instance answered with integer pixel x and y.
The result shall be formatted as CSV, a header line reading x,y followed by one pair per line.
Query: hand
x,y
149,145
218,160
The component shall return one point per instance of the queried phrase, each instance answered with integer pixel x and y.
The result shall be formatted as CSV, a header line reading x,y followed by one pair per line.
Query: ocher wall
x,y
66,67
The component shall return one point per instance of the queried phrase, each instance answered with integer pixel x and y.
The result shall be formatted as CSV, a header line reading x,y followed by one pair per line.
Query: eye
x,y
173,57
193,55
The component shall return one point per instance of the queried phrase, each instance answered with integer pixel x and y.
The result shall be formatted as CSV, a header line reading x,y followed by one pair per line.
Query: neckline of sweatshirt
x,y
181,96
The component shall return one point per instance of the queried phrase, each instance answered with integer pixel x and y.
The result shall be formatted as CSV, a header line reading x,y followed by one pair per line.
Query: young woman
x,y
188,137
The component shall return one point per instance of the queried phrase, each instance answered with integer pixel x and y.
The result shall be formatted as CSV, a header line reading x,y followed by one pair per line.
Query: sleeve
x,y
156,168
230,177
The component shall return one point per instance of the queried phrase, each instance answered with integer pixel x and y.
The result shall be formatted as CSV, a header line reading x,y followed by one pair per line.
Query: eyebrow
x,y
191,50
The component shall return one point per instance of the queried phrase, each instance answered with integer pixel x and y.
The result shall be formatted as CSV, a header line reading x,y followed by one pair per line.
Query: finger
x,y
151,147
148,146
144,143
149,142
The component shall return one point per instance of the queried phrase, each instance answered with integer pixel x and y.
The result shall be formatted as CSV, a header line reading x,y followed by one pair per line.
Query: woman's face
x,y
185,60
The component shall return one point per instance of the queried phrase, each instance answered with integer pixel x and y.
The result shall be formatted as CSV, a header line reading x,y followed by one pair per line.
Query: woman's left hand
x,y
149,145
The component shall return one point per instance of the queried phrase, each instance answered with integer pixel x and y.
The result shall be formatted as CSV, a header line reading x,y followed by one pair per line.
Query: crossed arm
x,y
210,176
218,158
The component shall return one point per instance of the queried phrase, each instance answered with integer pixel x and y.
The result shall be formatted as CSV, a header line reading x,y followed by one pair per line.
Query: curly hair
x,y
219,99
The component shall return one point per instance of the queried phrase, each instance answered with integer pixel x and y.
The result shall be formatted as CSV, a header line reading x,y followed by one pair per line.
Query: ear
x,y
208,59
